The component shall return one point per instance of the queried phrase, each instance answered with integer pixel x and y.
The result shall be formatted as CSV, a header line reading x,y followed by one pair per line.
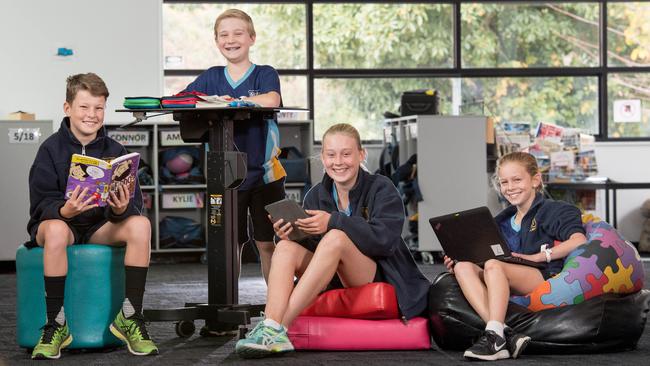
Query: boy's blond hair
x,y
89,82
237,14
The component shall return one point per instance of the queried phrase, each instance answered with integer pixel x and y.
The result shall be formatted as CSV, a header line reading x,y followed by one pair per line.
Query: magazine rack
x,y
226,169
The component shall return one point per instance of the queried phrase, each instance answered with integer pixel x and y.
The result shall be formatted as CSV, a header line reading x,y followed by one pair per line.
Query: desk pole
x,y
615,218
607,205
222,244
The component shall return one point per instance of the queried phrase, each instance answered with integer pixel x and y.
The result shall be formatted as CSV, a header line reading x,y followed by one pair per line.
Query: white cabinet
x,y
451,170
19,143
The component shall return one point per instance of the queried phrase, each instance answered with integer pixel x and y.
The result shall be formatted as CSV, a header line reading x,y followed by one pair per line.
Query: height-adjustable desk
x,y
226,169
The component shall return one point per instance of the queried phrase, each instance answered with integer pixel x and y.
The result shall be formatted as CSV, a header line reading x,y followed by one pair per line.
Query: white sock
x,y
127,308
496,327
60,317
272,323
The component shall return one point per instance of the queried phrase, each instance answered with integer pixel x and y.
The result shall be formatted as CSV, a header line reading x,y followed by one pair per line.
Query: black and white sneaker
x,y
516,342
489,347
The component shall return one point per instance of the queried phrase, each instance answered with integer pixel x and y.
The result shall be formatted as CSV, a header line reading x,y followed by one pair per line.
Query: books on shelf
x,y
563,154
102,177
512,136
549,132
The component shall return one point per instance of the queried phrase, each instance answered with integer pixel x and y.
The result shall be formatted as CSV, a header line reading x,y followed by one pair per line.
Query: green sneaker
x,y
54,338
134,333
263,341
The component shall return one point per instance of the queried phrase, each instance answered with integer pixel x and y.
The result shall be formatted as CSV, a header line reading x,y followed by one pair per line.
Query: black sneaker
x,y
489,347
516,342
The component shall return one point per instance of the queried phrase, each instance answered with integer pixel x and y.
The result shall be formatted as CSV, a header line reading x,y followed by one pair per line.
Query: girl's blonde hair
x,y
525,159
346,129
237,14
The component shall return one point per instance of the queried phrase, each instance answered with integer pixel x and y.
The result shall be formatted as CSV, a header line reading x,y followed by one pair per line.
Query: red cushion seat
x,y
359,318
372,301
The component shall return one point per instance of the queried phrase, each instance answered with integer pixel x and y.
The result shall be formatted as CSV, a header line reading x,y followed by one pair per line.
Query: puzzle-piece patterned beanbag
x,y
606,263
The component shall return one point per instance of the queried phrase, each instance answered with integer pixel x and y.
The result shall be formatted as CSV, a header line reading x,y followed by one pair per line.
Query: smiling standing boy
x,y
258,138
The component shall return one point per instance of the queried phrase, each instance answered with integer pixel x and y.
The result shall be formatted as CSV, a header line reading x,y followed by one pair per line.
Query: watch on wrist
x,y
547,252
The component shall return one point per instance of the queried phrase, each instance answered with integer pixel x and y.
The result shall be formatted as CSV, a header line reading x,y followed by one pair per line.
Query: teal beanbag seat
x,y
94,292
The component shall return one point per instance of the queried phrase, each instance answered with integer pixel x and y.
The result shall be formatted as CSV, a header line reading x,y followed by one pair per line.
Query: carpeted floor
x,y
170,285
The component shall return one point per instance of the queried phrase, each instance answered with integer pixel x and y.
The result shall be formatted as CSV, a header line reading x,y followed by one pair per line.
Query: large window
x,y
188,35
529,35
583,64
566,101
382,36
363,101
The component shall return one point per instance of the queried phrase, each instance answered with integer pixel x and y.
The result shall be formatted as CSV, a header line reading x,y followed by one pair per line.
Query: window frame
x,y
601,72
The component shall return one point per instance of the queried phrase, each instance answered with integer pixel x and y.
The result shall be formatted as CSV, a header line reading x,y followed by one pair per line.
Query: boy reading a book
x,y
259,139
57,222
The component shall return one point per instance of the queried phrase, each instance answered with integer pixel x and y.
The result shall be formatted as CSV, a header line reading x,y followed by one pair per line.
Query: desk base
x,y
219,319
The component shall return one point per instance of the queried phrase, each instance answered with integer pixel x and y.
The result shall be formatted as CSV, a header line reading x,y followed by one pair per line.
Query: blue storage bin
x,y
295,164
94,293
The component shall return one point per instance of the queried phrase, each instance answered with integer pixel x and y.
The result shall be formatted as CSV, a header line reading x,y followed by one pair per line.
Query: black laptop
x,y
474,236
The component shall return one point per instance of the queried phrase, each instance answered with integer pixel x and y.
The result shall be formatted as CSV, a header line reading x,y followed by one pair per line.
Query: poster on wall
x,y
627,110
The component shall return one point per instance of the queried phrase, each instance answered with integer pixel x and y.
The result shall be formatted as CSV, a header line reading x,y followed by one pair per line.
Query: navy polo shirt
x,y
259,139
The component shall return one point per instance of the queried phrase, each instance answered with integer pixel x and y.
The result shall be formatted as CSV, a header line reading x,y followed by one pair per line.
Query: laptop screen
x,y
470,235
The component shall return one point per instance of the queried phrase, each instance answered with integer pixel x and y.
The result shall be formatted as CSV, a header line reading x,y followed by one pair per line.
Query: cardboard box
x,y
489,130
21,116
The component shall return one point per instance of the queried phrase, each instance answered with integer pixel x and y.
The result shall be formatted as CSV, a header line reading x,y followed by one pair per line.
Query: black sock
x,y
136,277
54,292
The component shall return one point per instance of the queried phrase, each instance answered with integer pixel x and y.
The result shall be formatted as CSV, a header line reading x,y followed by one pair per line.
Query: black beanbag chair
x,y
606,323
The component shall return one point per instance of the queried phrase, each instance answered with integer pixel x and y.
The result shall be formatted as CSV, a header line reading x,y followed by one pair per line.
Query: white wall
x,y
120,40
626,162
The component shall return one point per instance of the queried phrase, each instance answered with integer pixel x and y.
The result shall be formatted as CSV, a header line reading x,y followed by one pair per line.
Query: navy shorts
x,y
81,233
253,201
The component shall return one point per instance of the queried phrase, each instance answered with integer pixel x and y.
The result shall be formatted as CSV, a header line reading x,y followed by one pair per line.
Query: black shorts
x,y
546,274
253,201
81,233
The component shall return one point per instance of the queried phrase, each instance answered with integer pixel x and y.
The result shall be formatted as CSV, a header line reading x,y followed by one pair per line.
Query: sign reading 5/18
x,y
24,135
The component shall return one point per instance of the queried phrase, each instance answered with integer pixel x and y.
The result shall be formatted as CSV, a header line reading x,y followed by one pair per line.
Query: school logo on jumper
x,y
533,225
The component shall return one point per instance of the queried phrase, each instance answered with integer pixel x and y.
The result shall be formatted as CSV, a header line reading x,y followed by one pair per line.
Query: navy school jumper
x,y
545,222
375,227
48,177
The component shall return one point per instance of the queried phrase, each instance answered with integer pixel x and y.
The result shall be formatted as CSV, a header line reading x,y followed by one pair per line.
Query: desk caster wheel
x,y
185,328
427,258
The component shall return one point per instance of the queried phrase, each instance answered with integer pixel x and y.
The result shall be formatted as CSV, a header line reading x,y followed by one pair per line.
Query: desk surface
x,y
599,185
171,110
261,109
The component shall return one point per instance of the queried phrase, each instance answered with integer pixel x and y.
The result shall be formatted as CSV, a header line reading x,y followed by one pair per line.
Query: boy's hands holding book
x,y
80,201
120,201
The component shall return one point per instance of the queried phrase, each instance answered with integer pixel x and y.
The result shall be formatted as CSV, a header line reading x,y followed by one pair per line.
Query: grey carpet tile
x,y
171,285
